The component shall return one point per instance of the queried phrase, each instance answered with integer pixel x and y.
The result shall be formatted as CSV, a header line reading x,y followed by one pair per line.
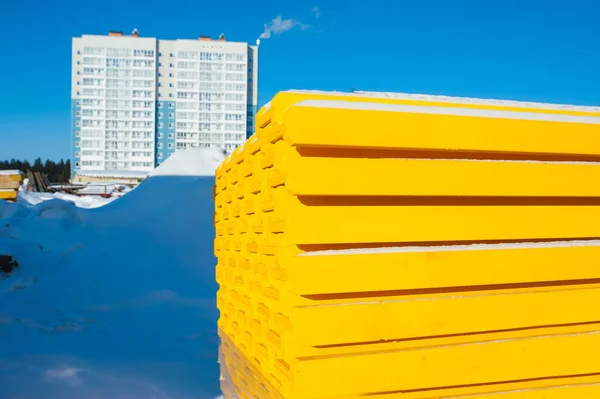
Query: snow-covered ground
x,y
113,302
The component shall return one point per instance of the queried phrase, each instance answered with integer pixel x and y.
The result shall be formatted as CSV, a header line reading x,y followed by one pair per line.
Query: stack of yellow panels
x,y
411,246
10,180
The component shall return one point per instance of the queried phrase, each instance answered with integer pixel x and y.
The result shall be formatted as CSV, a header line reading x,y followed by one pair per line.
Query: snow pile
x,y
191,162
113,302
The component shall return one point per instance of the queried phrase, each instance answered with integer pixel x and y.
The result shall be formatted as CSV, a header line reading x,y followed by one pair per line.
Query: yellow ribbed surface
x,y
490,282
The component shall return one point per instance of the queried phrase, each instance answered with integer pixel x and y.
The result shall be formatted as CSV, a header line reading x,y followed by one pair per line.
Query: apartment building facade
x,y
136,100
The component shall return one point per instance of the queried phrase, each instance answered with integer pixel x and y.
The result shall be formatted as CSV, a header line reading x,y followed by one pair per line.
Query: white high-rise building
x,y
137,100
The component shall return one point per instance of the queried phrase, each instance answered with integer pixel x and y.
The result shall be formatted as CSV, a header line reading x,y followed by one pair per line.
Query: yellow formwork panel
x,y
10,178
395,130
418,268
371,122
483,363
8,195
10,185
418,316
414,223
285,348
434,177
557,392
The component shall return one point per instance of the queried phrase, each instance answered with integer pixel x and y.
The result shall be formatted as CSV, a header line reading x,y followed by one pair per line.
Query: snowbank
x,y
191,162
113,302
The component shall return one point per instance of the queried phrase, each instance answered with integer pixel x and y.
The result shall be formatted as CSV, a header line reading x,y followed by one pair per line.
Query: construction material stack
x,y
10,181
411,246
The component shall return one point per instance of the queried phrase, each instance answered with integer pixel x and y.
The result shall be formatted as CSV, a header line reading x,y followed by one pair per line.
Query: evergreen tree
x,y
37,165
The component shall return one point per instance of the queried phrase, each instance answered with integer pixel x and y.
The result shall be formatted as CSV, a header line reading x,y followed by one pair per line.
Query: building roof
x,y
132,174
10,172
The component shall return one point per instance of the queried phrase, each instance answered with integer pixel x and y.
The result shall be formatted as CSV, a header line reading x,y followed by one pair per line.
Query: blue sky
x,y
512,49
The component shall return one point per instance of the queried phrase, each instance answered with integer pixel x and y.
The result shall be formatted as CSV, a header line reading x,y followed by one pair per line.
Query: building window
x,y
78,124
160,145
171,105
171,126
171,55
77,144
160,155
170,84
77,133
170,75
78,113
170,145
171,135
160,104
171,115
78,103
170,94
159,84
160,135
160,125
160,64
160,95
171,65
160,54
76,164
159,74
160,114
77,154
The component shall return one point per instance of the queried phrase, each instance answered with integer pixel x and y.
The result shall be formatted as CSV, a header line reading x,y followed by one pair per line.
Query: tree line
x,y
57,172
